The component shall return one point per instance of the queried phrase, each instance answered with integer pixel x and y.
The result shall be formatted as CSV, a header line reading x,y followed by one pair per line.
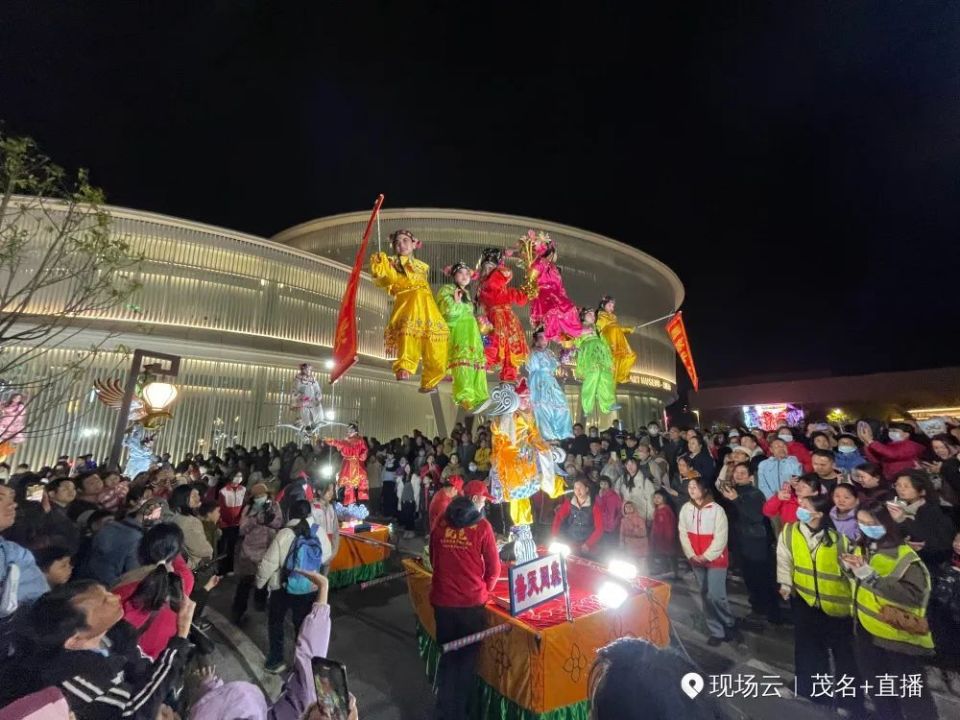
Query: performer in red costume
x,y
507,348
353,472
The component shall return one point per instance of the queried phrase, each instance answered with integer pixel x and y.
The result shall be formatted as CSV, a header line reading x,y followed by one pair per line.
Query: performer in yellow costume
x,y
416,329
616,336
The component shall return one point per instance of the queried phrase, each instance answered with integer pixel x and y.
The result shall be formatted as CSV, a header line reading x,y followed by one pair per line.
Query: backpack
x,y
306,553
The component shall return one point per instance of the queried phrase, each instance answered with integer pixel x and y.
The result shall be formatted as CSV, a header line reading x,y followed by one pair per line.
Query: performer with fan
x,y
416,329
465,359
352,478
549,307
546,396
507,348
616,336
594,367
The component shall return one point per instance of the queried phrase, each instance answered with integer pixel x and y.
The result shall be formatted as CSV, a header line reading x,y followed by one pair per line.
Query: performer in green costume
x,y
594,367
465,359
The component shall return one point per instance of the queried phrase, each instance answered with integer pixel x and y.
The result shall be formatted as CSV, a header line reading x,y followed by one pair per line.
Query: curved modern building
x,y
243,312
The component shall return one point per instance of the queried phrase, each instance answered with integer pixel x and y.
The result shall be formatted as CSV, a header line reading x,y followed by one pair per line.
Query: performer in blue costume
x,y
547,397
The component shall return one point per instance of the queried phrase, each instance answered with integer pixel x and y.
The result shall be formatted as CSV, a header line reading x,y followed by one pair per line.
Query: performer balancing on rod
x,y
546,396
352,478
594,367
416,329
465,359
507,348
550,307
616,336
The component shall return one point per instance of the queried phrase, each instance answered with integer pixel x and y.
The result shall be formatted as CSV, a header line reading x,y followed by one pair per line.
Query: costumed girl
x,y
139,451
594,367
546,396
309,399
507,348
465,359
416,329
13,419
616,336
352,477
549,306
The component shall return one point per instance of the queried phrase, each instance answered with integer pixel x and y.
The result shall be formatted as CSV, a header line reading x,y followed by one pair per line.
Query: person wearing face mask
x,y
795,448
782,507
811,578
901,453
891,589
848,455
656,439
260,521
466,567
230,498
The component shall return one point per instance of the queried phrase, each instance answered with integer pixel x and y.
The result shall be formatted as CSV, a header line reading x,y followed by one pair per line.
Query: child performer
x,y
594,367
508,346
352,478
550,307
416,329
546,396
616,336
465,359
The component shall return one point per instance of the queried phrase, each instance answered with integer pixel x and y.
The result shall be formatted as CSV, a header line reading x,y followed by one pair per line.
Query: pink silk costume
x,y
551,307
353,472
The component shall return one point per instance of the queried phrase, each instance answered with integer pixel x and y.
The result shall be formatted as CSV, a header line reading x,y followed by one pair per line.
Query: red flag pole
x,y
345,343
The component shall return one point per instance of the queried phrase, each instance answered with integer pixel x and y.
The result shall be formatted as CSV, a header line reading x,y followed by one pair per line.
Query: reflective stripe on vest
x,y
869,601
817,578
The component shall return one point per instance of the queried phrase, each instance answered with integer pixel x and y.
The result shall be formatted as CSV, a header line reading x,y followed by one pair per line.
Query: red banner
x,y
678,336
345,341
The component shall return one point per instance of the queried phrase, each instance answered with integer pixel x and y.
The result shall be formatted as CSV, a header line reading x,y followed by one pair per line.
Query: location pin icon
x,y
692,684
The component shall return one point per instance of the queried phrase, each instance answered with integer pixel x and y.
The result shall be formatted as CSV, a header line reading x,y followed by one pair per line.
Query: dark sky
x,y
798,167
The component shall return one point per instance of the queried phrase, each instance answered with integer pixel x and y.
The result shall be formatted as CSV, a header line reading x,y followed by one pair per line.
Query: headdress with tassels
x,y
604,300
395,235
584,311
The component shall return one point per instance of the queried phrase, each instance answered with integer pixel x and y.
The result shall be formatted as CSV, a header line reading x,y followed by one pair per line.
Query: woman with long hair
x,y
185,502
578,520
871,485
923,524
259,522
152,594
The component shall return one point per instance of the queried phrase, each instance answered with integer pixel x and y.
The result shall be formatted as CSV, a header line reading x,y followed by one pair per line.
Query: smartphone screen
x,y
35,493
330,679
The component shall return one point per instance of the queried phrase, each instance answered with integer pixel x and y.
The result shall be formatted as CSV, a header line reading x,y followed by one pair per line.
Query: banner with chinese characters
x,y
534,583
678,336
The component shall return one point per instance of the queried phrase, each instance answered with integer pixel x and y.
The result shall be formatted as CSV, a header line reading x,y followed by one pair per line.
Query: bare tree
x,y
61,269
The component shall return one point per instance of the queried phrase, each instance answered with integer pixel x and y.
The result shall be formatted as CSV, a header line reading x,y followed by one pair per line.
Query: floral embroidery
x,y
575,664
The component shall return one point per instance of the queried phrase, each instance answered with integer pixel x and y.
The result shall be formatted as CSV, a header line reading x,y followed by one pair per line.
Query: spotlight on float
x,y
623,569
331,414
558,548
326,472
611,594
328,364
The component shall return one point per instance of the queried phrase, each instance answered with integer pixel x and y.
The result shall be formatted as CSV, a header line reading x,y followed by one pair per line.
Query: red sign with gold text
x,y
678,336
345,342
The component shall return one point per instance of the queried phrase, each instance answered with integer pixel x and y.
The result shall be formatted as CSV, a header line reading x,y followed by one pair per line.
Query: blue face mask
x,y
874,532
804,515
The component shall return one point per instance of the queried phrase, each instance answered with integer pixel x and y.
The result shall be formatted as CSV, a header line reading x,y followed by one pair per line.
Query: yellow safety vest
x,y
869,601
818,578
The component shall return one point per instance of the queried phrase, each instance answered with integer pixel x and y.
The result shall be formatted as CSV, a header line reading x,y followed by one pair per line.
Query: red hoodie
x,y
464,555
894,457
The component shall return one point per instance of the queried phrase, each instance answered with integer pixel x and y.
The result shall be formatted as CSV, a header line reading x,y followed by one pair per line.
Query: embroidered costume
x,y
466,361
308,399
352,477
550,306
416,329
546,396
594,367
507,346
13,419
616,336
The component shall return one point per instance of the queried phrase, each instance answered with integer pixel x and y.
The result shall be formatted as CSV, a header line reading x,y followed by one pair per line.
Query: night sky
x,y
798,167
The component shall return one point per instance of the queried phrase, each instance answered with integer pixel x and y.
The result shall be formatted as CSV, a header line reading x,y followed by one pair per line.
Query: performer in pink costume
x,y
550,306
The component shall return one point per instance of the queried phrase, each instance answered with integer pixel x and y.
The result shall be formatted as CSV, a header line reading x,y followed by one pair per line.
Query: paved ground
x,y
373,634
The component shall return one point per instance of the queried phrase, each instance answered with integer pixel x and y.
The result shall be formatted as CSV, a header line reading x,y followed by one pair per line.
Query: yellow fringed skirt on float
x,y
615,335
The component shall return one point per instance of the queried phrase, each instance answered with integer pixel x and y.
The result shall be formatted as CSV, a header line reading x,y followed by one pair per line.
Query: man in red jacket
x,y
452,487
466,566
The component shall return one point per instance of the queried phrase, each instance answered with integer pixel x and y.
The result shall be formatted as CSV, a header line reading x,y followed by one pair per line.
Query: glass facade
x,y
243,312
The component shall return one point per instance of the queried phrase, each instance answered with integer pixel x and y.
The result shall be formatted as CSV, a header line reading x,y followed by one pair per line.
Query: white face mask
x,y
846,449
786,437
896,436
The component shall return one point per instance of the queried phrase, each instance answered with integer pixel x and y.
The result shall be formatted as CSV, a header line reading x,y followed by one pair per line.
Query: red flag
x,y
345,341
678,336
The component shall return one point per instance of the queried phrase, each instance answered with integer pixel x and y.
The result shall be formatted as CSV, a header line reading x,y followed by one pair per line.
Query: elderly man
x,y
777,469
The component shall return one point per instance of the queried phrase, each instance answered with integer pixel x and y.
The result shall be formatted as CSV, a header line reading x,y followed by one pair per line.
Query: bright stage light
x,y
326,472
328,364
331,414
611,594
623,569
559,549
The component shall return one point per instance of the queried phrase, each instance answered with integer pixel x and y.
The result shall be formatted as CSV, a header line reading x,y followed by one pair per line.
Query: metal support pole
x,y
438,413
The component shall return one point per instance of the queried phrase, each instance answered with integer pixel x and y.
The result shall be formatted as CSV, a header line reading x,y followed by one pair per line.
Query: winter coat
x,y
802,453
230,499
326,518
464,555
256,535
703,531
773,472
786,510
641,494
163,626
750,524
270,569
926,523
568,510
113,551
895,456
32,583
703,464
611,510
300,692
633,535
848,462
663,534
195,542
47,704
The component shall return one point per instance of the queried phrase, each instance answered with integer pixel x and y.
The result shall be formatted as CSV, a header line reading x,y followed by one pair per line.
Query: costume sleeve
x,y
363,452
385,274
719,542
334,443
597,527
559,517
450,307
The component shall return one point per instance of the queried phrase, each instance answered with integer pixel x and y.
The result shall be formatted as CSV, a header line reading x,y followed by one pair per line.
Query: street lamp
x,y
158,395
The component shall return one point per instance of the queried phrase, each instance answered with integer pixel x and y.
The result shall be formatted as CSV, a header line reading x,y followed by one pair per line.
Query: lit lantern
x,y
158,395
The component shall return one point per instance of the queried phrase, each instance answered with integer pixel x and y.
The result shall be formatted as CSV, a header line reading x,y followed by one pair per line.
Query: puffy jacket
x,y
703,531
894,457
773,472
271,566
195,542
256,535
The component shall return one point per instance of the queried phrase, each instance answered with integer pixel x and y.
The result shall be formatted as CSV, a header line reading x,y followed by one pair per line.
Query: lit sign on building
x,y
650,381
770,417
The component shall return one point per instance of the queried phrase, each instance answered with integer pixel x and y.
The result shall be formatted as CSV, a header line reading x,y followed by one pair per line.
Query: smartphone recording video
x,y
35,493
330,679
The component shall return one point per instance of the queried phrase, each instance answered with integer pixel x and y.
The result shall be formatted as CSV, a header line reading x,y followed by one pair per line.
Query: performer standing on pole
x,y
416,329
465,358
615,335
594,367
508,349
466,566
